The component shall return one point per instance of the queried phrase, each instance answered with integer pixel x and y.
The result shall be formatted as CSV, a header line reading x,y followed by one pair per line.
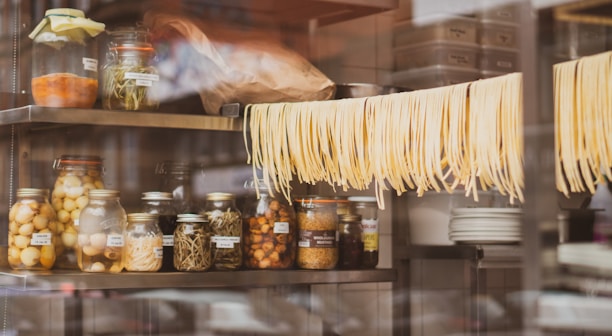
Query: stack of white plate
x,y
485,225
586,257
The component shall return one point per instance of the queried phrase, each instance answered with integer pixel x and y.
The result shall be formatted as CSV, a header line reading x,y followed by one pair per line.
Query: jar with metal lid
x,y
269,231
101,240
129,76
317,220
143,243
65,59
192,247
32,231
226,226
350,244
343,206
76,176
175,178
161,204
367,207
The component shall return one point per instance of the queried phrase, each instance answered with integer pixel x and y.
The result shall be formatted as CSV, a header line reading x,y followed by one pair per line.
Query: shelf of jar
x,y
483,256
63,279
162,119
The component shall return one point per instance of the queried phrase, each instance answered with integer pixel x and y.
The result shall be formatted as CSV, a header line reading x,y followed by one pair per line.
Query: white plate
x,y
476,227
488,235
486,238
472,211
483,221
488,215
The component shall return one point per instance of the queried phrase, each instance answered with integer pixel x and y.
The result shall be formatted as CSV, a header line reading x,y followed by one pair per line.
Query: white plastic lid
x,y
364,199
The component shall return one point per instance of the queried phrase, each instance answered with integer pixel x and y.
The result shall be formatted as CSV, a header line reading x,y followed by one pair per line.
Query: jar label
x,y
225,241
142,79
188,229
318,238
168,240
90,64
370,234
159,252
114,240
41,238
281,227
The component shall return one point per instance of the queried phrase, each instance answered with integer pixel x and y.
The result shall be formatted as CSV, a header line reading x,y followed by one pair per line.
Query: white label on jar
x,y
140,228
458,59
142,79
304,243
225,241
188,229
114,240
370,234
41,238
168,240
281,227
159,252
90,64
504,64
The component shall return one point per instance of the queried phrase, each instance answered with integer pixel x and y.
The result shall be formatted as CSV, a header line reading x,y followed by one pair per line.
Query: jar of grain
x,y
317,220
192,249
76,176
270,230
226,225
32,228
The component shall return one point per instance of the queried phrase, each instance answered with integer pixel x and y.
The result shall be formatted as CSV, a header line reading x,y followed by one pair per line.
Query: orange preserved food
x,y
64,90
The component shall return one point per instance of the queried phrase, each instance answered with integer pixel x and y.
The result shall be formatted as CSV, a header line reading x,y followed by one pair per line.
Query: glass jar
x,y
129,77
367,208
143,243
160,204
226,227
102,224
32,231
317,220
65,59
350,243
76,176
192,247
269,232
343,206
176,179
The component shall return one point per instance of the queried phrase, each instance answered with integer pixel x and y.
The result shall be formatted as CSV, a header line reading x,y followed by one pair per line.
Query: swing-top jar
x,y
31,233
129,77
65,59
101,233
76,176
317,220
226,225
143,243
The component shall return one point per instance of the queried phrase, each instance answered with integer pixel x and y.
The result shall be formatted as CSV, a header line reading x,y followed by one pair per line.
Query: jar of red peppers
x,y
269,231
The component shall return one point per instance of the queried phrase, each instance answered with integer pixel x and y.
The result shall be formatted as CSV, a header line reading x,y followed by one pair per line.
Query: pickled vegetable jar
x,y
317,221
65,59
32,229
269,231
226,227
76,176
129,77
160,203
143,243
101,233
192,250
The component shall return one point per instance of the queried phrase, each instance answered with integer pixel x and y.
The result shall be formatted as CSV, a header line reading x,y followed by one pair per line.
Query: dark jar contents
x,y
367,208
161,204
350,243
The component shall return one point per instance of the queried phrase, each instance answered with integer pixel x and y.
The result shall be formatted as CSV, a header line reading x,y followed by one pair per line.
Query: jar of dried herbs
x,y
129,77
226,225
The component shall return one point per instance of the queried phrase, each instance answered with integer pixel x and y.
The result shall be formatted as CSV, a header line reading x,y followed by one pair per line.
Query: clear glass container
x,y
175,178
31,231
193,250
143,243
269,231
367,208
317,220
226,226
161,204
350,243
343,206
101,242
129,77
76,176
65,59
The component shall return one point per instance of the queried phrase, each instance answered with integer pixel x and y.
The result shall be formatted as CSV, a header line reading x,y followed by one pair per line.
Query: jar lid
x,y
191,218
156,196
141,217
77,160
362,199
220,196
103,193
350,218
25,192
312,201
172,167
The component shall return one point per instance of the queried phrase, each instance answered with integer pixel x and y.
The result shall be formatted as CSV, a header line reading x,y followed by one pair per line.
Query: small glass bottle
x,y
31,236
269,231
76,176
143,243
176,179
102,225
129,76
317,220
161,204
192,250
350,245
226,226
367,207
65,59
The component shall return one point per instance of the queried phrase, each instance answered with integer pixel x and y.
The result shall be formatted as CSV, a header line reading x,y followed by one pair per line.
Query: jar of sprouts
x,y
226,225
192,250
